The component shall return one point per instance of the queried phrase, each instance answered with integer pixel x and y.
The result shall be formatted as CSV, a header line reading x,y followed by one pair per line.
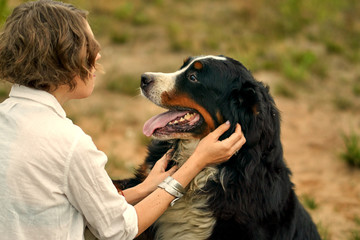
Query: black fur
x,y
258,201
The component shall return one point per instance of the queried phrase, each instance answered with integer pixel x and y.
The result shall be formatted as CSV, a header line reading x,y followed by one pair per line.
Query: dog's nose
x,y
146,80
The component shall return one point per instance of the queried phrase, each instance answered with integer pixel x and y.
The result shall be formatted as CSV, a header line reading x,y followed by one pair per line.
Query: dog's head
x,y
205,92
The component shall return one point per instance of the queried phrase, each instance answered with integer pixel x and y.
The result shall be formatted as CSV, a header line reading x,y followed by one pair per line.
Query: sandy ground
x,y
311,137
312,144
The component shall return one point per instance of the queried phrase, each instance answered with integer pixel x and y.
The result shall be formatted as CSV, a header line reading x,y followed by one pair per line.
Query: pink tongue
x,y
160,121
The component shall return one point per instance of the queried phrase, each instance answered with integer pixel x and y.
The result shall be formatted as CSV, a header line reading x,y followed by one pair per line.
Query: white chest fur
x,y
188,218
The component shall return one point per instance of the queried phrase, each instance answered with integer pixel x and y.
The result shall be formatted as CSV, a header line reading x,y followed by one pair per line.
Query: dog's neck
x,y
184,150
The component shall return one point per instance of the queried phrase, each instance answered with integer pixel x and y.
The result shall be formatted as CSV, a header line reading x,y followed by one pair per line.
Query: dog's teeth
x,y
187,117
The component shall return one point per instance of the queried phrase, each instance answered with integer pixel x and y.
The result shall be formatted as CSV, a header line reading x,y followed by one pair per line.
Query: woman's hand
x,y
212,151
156,176
158,173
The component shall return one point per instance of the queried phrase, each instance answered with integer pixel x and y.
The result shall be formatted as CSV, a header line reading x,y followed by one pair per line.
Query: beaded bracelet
x,y
173,187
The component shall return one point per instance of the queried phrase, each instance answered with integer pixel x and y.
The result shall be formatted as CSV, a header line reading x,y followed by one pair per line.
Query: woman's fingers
x,y
172,170
237,146
235,141
236,136
220,130
162,163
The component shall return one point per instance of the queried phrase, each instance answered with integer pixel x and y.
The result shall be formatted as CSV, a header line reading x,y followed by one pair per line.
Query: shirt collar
x,y
43,97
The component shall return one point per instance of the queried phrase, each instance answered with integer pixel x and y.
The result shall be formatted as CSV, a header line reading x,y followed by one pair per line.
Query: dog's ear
x,y
244,108
248,97
245,98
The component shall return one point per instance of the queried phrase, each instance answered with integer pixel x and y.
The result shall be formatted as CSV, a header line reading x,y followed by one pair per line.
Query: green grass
x,y
120,37
4,90
298,66
282,90
323,231
342,103
351,153
355,235
127,84
357,220
4,11
333,47
3,93
309,202
140,19
124,11
132,13
177,38
293,38
356,89
281,37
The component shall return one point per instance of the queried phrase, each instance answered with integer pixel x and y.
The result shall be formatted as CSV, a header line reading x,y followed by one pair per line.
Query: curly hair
x,y
46,44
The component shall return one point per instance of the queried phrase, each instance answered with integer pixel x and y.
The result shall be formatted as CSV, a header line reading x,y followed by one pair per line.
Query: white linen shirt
x,y
52,177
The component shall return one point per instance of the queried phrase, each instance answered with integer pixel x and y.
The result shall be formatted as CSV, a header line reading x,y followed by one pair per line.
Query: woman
x,y
52,177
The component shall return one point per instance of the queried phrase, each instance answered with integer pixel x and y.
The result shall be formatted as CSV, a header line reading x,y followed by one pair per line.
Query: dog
x,y
251,195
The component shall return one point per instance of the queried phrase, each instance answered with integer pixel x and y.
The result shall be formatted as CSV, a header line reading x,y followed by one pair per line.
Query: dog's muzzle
x,y
146,81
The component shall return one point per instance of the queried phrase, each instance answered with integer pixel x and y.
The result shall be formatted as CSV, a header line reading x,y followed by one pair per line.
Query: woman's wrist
x,y
173,187
144,189
197,161
136,194
188,171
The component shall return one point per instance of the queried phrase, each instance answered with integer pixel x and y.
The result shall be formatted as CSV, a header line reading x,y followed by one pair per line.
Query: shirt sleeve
x,y
91,191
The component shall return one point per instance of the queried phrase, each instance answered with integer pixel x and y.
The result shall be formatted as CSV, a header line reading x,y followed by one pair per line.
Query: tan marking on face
x,y
182,100
254,109
198,65
220,118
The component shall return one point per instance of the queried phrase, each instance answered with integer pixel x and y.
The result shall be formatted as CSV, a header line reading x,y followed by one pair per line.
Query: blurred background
x,y
307,51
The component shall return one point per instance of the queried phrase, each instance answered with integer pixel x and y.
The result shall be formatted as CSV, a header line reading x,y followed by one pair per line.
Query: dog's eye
x,y
193,78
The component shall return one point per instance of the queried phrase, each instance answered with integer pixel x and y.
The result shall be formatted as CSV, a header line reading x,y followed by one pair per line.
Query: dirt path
x,y
312,143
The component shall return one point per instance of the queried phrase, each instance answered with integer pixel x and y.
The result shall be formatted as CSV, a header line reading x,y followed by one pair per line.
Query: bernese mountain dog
x,y
248,197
